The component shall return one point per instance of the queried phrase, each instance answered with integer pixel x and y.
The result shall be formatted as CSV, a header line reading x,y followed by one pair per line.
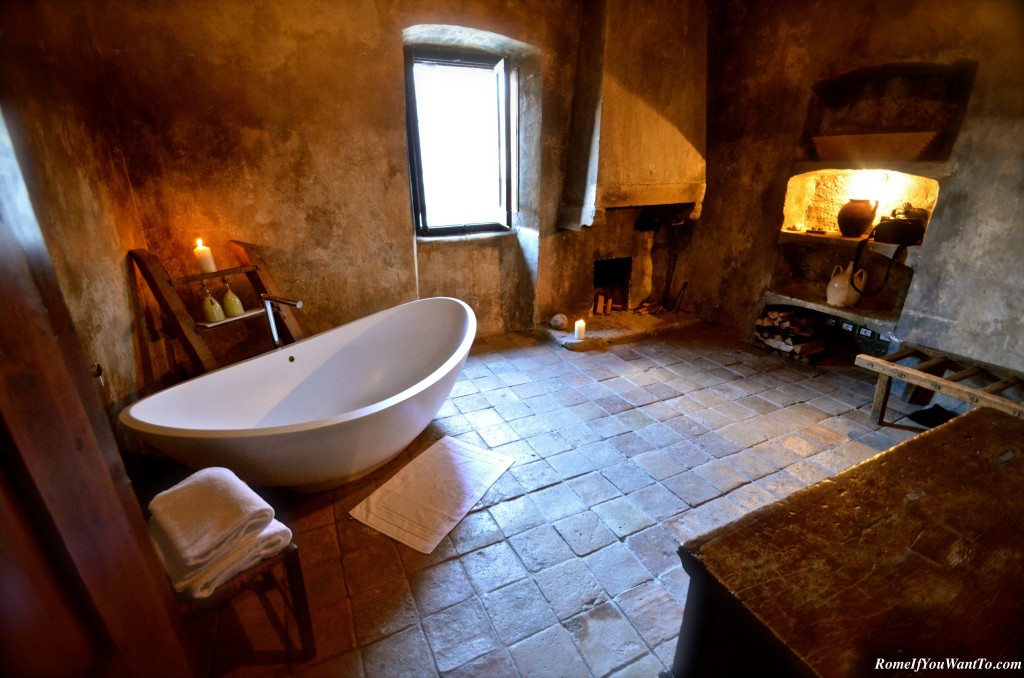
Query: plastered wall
x,y
280,123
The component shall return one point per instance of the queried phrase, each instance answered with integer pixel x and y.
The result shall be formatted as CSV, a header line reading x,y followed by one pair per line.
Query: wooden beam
x,y
170,303
939,385
263,282
882,390
900,355
1001,385
965,373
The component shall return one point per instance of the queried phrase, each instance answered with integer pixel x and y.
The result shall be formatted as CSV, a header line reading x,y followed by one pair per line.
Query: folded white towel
x,y
208,514
201,581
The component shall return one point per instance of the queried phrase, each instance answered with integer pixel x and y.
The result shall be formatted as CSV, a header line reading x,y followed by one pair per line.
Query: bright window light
x,y
461,159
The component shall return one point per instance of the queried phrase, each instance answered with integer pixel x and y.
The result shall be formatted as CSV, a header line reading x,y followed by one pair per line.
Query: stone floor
x,y
568,566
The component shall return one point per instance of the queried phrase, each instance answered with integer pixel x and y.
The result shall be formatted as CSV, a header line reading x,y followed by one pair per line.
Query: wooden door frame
x,y
66,453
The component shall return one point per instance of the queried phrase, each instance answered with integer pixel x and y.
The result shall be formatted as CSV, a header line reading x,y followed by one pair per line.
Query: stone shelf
x,y
881,321
621,327
848,244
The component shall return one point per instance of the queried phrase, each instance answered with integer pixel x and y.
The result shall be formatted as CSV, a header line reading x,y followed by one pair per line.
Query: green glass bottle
x,y
211,308
232,304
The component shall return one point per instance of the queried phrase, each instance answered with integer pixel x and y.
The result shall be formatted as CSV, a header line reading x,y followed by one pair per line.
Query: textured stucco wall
x,y
764,58
638,131
280,123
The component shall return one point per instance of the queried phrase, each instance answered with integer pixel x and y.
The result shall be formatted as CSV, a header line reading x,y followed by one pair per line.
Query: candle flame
x,y
199,242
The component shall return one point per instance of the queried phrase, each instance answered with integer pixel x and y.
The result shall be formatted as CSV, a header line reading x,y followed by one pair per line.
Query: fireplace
x,y
611,285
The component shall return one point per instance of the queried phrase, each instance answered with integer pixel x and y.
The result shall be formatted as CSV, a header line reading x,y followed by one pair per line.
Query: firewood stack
x,y
792,332
603,304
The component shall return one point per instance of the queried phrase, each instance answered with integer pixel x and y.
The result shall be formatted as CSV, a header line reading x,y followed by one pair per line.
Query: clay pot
x,y
855,217
840,292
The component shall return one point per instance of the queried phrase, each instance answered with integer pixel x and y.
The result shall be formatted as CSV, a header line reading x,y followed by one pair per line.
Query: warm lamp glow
x,y
813,199
868,185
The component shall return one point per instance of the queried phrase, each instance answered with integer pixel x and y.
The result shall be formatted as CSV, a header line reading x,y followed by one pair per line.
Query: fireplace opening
x,y
611,284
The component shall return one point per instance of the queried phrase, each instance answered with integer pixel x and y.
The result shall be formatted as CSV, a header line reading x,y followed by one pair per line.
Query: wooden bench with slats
x,y
942,373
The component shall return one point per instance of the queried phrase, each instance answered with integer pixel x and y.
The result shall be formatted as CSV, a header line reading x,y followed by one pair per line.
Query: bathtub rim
x,y
142,427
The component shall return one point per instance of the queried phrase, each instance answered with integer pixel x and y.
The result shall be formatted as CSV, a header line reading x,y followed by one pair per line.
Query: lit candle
x,y
581,329
205,257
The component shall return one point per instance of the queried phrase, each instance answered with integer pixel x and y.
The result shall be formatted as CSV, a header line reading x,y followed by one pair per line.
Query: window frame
x,y
507,132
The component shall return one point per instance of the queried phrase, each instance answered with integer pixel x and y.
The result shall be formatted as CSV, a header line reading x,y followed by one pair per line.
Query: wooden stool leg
x,y
300,602
882,390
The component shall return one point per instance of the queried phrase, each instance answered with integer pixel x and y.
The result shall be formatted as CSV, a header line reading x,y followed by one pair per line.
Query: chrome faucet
x,y
268,305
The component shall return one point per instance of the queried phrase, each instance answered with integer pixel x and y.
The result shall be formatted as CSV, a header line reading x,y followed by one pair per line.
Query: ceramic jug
x,y
855,217
840,292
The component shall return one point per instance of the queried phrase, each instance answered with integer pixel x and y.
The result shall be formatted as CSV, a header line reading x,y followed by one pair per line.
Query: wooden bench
x,y
941,373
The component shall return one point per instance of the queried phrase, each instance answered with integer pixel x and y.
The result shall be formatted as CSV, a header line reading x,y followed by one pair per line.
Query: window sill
x,y
465,237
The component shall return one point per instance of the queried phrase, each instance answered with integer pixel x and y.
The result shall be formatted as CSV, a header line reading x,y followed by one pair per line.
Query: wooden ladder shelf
x,y
189,331
941,373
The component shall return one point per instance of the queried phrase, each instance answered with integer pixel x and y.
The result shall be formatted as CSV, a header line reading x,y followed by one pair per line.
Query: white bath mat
x,y
427,498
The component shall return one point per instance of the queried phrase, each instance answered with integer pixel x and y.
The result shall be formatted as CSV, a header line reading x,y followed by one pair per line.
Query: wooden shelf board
x,y
209,276
247,314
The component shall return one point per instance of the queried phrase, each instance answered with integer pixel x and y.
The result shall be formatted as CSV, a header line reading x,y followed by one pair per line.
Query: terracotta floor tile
x,y
493,567
496,664
658,464
518,611
540,547
691,488
616,568
507,487
657,502
687,454
549,444
405,653
653,612
584,533
372,567
377,613
631,444
660,435
573,552
459,634
605,639
570,588
720,511
656,549
516,515
557,502
721,475
535,475
438,587
627,476
607,426
569,464
593,488
644,665
534,655
476,530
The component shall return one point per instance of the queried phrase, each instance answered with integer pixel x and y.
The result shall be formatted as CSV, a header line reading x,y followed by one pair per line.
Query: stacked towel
x,y
210,527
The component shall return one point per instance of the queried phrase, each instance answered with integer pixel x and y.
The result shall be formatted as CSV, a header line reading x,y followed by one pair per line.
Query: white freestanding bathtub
x,y
322,411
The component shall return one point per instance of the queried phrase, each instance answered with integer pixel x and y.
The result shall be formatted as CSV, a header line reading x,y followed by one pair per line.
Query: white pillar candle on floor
x,y
205,257
581,329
